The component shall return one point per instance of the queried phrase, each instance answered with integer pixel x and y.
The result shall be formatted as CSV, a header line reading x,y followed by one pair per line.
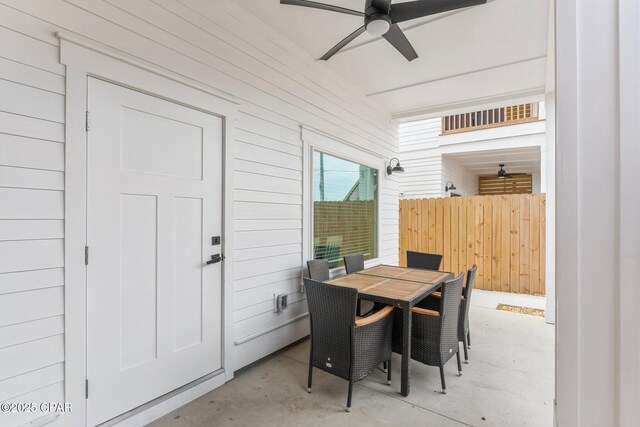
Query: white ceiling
x,y
516,160
472,56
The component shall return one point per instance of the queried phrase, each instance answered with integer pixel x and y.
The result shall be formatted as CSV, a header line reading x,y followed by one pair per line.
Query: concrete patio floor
x,y
509,381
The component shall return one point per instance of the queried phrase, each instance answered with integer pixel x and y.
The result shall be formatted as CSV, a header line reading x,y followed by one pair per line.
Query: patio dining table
x,y
399,287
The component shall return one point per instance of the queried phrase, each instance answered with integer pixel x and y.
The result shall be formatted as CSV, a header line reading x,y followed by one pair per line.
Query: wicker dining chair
x,y
341,344
464,333
353,263
423,260
318,269
434,338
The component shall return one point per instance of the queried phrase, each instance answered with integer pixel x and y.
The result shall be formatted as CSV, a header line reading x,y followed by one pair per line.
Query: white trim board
x,y
81,62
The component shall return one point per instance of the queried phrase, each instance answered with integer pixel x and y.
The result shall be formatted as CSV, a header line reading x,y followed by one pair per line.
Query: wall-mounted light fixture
x,y
448,187
396,168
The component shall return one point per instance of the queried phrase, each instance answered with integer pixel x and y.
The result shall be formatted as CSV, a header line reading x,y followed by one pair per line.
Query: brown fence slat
x,y
469,232
525,279
454,252
514,263
534,244
542,230
496,243
487,247
504,235
478,222
446,234
505,245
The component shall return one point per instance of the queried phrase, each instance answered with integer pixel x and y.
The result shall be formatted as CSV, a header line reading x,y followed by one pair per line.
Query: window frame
x,y
316,141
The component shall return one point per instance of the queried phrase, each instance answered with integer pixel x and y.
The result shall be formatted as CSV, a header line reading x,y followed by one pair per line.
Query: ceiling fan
x,y
381,18
503,173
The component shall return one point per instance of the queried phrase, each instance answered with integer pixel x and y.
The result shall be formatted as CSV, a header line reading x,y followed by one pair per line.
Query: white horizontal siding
x,y
18,151
34,380
466,183
218,44
32,117
28,280
30,331
420,135
423,168
20,229
50,393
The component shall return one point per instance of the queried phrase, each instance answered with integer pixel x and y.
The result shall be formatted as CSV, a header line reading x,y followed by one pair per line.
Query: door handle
x,y
215,258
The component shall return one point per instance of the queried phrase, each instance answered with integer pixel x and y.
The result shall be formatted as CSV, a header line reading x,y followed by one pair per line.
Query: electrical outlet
x,y
280,302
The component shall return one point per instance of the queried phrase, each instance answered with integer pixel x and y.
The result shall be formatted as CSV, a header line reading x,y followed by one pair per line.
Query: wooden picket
x,y
504,235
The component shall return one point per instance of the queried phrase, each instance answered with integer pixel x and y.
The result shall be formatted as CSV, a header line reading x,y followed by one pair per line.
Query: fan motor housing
x,y
377,23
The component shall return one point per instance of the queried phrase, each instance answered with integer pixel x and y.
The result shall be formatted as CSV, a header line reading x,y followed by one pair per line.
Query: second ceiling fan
x,y
381,18
503,173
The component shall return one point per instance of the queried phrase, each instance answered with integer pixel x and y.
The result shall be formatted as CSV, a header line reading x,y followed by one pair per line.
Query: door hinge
x,y
86,255
87,121
86,389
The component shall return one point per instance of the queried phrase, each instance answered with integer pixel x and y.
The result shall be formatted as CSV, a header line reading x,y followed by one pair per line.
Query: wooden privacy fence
x,y
503,235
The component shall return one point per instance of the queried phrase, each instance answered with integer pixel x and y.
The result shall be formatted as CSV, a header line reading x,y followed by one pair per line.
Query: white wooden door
x,y
154,309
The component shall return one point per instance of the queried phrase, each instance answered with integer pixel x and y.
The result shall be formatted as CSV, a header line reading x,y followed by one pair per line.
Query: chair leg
x,y
464,346
385,367
444,386
310,377
388,372
469,338
459,364
349,396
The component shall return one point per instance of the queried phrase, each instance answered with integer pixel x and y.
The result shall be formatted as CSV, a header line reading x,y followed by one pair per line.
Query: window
x,y
345,209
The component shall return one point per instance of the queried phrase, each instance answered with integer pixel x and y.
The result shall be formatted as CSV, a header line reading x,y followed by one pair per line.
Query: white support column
x,y
598,206
629,300
548,174
548,170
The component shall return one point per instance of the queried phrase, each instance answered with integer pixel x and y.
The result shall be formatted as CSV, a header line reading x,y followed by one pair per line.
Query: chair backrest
x,y
354,263
332,312
318,269
423,260
471,277
450,312
466,292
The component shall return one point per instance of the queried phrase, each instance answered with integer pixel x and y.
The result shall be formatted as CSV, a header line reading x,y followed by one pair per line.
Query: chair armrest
x,y
425,312
375,317
438,294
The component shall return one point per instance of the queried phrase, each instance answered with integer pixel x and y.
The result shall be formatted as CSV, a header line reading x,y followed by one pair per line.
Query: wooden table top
x,y
404,273
401,284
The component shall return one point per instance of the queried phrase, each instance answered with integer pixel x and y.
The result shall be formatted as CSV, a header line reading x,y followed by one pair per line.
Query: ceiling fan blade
x,y
316,5
342,44
415,9
396,37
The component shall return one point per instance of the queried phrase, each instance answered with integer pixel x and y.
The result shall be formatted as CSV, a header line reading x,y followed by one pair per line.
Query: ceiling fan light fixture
x,y
377,24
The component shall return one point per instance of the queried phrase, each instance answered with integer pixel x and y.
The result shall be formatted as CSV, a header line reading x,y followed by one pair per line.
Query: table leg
x,y
406,349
